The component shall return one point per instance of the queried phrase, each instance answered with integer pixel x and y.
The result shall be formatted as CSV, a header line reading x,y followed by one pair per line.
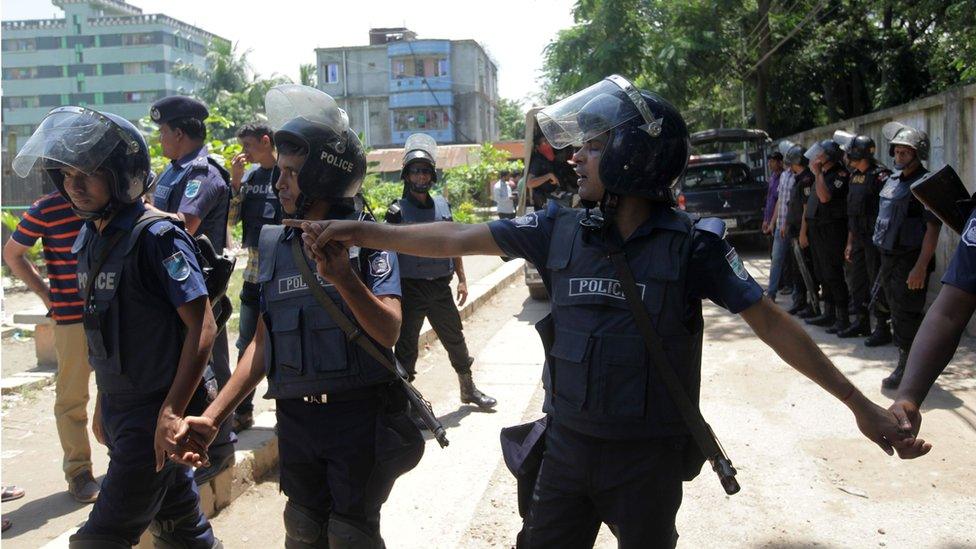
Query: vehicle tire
x,y
538,292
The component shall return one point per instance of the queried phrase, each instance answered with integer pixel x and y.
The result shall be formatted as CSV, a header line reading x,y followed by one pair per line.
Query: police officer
x,y
906,234
256,204
938,336
343,433
828,234
196,188
797,227
613,447
426,283
862,256
148,323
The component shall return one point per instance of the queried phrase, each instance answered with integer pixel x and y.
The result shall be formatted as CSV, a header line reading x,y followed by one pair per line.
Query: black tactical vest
x,y
306,351
424,267
135,335
900,227
259,205
598,377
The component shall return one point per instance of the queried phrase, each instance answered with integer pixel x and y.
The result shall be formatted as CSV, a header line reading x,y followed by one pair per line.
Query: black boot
x,y
797,307
471,395
825,319
843,321
894,380
880,336
861,327
807,312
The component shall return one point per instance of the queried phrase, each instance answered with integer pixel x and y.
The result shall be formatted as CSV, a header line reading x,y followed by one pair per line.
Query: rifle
x,y
812,297
700,431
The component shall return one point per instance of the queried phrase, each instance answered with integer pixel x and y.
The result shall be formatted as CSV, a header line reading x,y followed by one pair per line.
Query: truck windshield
x,y
713,177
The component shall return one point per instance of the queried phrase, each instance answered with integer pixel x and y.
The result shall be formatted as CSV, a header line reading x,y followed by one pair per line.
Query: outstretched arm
x,y
932,350
778,330
443,239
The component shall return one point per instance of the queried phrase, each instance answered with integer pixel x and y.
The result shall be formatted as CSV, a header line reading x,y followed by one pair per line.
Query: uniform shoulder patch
x,y
530,220
969,235
177,266
192,188
735,262
379,264
712,225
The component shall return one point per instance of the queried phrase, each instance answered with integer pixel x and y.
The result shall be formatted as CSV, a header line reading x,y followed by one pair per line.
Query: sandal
x,y
12,492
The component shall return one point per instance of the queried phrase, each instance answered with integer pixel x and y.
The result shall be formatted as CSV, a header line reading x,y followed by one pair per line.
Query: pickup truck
x,y
726,178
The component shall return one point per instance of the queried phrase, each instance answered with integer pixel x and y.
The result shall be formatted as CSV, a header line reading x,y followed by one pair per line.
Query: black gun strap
x,y
353,333
699,429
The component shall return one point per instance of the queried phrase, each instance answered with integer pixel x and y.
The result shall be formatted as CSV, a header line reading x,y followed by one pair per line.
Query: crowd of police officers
x,y
326,295
866,244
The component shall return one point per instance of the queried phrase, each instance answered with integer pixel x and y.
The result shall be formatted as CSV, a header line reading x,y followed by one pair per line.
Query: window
x,y
418,67
331,73
20,73
19,44
87,70
442,67
399,68
23,102
420,119
138,39
144,67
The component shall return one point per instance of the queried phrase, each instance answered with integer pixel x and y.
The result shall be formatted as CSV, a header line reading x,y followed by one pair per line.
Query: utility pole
x,y
762,71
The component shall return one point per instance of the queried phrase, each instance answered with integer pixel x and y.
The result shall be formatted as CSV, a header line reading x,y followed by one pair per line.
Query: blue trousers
x,y
133,493
781,247
634,486
341,459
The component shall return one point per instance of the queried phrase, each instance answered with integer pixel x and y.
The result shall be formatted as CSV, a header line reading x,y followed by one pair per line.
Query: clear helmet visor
x,y
420,142
892,129
814,151
843,139
593,111
73,136
785,146
290,101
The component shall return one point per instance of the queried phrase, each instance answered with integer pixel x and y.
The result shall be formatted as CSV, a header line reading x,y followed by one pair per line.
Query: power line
x,y
806,19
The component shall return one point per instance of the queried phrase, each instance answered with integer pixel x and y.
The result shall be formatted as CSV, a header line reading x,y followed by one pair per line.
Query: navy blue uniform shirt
x,y
716,271
167,253
961,271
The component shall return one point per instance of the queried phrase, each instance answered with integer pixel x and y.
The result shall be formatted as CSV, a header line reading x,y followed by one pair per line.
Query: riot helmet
x,y
796,154
857,147
88,141
899,134
419,148
647,140
308,120
829,148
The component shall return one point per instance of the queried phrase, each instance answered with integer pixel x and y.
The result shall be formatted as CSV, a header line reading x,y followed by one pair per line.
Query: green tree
x,y
511,119
782,66
306,74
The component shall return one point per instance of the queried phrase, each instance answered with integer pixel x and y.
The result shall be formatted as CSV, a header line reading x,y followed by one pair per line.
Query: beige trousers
x,y
71,397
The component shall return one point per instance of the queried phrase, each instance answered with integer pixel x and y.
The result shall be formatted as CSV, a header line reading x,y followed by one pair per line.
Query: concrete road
x,y
808,477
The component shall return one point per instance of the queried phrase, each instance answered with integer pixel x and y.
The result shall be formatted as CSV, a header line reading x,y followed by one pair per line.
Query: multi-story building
x,y
105,54
399,85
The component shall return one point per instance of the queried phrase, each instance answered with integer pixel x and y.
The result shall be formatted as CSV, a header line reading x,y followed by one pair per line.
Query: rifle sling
x,y
699,429
353,332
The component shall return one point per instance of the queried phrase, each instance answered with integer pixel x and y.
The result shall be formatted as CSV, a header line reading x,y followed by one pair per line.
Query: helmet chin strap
x,y
104,213
604,218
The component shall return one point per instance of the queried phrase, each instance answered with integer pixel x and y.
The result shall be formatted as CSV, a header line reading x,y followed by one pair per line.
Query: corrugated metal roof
x,y
448,156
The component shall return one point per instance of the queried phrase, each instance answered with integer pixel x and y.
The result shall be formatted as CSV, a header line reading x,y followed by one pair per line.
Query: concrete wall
x,y
950,120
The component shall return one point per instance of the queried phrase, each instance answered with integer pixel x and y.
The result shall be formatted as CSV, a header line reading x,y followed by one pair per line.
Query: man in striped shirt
x,y
52,220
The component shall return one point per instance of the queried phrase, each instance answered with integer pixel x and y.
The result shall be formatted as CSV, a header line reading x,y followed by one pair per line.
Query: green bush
x,y
35,254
